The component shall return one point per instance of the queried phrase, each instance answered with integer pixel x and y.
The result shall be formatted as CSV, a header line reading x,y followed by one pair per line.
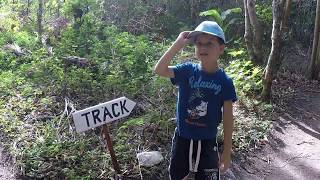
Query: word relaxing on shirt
x,y
102,113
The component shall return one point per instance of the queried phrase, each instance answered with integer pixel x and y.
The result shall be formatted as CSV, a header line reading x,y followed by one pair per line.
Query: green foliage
x,y
8,82
64,159
222,18
264,13
251,127
246,77
24,39
119,60
213,13
45,149
120,63
33,86
236,53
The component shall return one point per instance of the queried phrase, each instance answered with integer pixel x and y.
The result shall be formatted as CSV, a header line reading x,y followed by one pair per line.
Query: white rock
x,y
149,159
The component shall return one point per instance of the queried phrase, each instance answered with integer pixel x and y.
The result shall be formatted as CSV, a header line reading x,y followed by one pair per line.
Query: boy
x,y
204,89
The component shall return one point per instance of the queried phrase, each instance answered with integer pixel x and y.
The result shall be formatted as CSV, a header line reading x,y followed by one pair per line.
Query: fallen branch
x,y
66,114
15,49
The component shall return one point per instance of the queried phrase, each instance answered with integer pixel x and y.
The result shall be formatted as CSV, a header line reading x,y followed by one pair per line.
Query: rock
x,y
149,159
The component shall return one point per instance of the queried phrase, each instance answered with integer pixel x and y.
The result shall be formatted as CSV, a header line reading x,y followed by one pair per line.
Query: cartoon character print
x,y
197,108
198,111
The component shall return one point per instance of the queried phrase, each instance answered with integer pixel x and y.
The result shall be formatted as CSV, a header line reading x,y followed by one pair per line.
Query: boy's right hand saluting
x,y
182,39
162,68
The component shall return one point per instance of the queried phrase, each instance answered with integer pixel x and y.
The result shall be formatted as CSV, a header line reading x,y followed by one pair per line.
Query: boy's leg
x,y
209,161
179,166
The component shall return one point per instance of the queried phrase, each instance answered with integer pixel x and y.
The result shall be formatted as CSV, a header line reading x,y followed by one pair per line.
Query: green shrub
x,y
246,77
264,13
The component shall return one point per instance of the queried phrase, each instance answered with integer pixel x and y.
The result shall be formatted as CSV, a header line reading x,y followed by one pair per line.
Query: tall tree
x,y
284,23
314,66
274,60
40,19
253,32
248,35
257,30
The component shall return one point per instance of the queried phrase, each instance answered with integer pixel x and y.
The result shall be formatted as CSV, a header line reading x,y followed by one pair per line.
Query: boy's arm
x,y
162,67
225,160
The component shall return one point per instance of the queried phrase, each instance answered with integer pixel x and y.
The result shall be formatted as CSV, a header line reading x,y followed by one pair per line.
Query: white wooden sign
x,y
102,113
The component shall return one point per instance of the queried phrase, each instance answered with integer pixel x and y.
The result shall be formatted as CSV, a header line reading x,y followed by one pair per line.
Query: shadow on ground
x,y
292,150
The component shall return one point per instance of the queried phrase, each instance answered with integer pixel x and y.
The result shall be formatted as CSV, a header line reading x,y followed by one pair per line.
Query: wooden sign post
x,y
107,138
100,115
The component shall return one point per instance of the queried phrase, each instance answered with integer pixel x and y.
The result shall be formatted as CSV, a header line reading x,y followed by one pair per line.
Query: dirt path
x,y
292,151
6,171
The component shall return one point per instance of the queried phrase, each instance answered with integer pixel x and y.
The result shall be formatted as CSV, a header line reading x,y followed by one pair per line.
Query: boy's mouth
x,y
203,54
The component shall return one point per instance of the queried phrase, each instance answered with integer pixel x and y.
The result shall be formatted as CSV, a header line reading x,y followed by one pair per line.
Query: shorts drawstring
x,y
190,154
193,170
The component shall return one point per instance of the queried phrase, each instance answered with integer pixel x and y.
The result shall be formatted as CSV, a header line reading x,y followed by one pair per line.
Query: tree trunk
x,y
317,65
257,31
284,24
314,66
58,8
274,57
248,36
40,19
194,9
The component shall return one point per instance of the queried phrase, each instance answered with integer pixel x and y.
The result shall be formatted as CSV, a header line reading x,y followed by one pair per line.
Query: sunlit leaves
x,y
236,53
222,18
246,77
213,13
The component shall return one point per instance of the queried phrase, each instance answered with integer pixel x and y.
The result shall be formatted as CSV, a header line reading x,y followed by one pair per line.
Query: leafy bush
x,y
46,146
120,64
246,77
24,39
264,14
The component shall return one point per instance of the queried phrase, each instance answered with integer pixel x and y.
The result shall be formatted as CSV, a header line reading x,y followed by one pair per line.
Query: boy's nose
x,y
203,48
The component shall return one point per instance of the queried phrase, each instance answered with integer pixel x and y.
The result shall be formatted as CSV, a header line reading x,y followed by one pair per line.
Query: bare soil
x,y
7,170
292,148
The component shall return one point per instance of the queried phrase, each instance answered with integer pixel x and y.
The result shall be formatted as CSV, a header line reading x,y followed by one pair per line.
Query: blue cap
x,y
208,27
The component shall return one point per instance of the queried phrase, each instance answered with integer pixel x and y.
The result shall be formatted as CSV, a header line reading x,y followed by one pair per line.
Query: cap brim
x,y
192,35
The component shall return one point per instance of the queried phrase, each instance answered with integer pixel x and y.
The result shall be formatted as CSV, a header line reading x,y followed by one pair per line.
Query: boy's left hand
x,y
225,161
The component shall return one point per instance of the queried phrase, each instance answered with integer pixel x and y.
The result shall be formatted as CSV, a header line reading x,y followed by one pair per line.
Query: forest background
x,y
60,56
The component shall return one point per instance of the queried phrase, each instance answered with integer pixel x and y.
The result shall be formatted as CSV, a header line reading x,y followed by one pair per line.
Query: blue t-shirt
x,y
200,100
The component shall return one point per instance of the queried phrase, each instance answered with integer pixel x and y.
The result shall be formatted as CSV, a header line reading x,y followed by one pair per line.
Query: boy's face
x,y
208,48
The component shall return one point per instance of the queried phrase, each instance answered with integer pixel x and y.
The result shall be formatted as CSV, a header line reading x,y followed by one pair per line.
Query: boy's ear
x,y
222,48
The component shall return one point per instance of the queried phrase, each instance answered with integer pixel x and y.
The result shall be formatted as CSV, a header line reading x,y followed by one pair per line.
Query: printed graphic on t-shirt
x,y
199,83
198,100
197,108
198,111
